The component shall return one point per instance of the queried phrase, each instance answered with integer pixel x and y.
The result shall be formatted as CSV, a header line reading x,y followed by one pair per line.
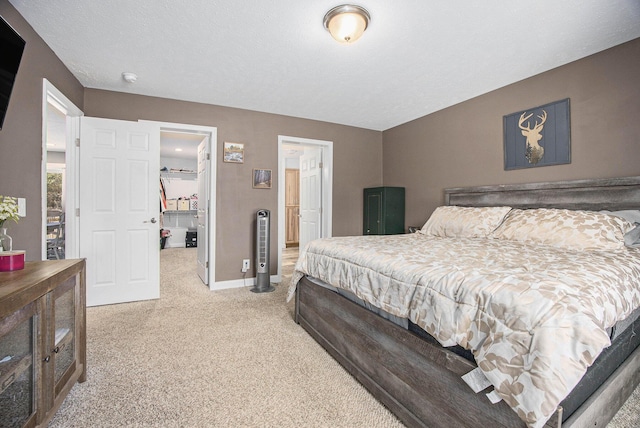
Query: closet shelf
x,y
177,173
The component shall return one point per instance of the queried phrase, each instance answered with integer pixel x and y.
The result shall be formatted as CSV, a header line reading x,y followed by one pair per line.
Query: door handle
x,y
153,220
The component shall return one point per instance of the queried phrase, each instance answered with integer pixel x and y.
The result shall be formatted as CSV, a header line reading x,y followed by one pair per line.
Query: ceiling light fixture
x,y
129,77
346,23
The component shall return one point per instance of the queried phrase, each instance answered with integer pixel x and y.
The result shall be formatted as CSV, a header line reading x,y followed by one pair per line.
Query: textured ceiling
x,y
275,56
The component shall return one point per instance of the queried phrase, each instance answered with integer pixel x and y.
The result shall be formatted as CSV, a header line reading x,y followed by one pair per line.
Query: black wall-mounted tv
x,y
11,49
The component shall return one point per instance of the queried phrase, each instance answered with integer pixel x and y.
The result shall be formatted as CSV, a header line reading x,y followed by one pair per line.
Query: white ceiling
x,y
186,143
275,56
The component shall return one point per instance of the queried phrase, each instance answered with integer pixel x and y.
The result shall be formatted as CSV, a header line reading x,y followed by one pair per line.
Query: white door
x,y
203,210
119,210
310,195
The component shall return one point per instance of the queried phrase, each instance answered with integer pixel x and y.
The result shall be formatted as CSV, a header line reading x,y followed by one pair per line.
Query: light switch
x,y
22,207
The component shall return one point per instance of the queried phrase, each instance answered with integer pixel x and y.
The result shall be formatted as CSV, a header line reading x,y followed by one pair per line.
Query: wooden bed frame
x,y
419,381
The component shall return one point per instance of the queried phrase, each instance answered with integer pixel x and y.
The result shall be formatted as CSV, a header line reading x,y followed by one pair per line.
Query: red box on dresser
x,y
11,260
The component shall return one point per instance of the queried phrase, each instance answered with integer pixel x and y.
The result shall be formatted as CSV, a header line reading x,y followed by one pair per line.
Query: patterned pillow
x,y
464,222
576,230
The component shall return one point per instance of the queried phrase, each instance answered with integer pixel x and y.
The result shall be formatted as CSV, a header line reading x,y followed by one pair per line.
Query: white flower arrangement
x,y
8,209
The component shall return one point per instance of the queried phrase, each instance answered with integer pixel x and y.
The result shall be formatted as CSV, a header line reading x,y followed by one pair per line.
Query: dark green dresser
x,y
383,211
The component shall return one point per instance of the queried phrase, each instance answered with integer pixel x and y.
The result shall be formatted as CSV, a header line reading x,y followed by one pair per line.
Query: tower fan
x,y
263,279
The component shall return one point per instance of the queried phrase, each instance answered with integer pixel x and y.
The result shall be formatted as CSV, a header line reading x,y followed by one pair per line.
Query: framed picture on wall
x,y
262,179
233,152
538,136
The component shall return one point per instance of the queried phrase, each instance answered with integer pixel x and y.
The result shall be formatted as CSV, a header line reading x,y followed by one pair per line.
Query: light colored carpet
x,y
231,358
196,358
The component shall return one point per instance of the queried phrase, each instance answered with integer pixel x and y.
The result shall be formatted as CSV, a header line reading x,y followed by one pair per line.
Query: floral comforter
x,y
535,317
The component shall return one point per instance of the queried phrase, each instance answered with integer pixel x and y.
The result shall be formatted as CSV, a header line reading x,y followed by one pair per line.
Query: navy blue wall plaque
x,y
539,136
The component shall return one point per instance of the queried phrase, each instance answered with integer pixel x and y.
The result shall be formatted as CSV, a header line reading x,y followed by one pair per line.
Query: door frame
x,y
51,94
213,156
327,189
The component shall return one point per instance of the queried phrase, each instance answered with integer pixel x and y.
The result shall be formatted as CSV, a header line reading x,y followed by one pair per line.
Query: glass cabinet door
x,y
17,377
63,350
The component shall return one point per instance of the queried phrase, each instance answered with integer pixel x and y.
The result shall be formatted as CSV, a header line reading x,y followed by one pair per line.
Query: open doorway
x,y
306,209
178,178
137,183
56,166
187,204
60,128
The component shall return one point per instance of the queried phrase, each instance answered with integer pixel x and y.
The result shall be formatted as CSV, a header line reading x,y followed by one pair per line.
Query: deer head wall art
x,y
534,151
537,136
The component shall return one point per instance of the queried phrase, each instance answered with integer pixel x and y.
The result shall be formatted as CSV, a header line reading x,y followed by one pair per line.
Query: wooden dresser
x,y
42,339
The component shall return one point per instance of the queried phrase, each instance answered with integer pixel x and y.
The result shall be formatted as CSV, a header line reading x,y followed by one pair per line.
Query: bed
x,y
385,336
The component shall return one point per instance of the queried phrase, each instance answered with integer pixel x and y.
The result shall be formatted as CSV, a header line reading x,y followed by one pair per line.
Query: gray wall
x,y
463,145
357,164
21,134
459,146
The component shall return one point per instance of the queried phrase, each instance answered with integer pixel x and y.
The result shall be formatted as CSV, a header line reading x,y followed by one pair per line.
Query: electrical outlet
x,y
246,264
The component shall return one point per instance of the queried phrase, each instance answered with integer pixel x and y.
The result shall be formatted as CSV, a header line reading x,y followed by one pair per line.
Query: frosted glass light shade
x,y
346,23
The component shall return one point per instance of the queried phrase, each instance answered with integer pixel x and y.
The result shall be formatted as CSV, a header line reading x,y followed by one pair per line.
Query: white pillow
x,y
576,230
464,222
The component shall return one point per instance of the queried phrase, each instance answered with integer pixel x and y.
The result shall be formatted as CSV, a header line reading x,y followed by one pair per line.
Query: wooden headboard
x,y
598,194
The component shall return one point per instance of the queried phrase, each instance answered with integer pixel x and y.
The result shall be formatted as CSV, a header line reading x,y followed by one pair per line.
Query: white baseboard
x,y
239,283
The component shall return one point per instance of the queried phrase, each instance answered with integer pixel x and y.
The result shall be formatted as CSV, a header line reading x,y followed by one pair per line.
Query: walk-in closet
x,y
178,189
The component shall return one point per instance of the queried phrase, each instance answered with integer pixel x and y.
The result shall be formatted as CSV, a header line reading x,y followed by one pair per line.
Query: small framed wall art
x,y
233,152
262,179
538,136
